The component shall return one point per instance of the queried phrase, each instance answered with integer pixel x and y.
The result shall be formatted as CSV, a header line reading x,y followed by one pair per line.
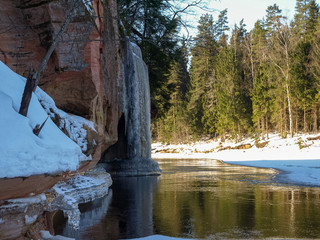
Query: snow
x,y
45,235
22,153
29,200
30,219
160,237
74,125
297,158
80,189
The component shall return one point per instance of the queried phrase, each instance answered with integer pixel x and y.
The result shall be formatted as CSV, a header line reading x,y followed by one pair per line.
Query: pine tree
x,y
305,19
226,108
273,19
262,98
303,28
303,82
203,54
232,87
314,70
221,27
179,81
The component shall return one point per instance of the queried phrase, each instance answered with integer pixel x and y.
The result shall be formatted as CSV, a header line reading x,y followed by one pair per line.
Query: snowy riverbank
x,y
298,158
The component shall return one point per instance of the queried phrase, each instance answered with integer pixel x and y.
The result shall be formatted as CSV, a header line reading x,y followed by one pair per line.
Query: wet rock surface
x,y
25,217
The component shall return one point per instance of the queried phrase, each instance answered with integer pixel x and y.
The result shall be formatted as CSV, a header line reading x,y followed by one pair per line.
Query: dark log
x,y
37,129
27,93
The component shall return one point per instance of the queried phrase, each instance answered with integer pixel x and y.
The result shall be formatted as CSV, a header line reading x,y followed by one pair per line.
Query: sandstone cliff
x,y
82,75
91,72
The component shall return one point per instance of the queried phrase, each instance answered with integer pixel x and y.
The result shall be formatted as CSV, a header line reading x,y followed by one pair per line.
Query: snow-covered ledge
x,y
65,195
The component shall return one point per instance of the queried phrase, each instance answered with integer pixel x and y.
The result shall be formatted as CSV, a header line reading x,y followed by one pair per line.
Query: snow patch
x,y
30,219
160,237
38,199
22,153
45,235
80,189
75,126
297,157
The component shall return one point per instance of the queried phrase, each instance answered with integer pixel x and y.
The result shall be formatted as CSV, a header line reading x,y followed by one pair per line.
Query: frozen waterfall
x,y
131,155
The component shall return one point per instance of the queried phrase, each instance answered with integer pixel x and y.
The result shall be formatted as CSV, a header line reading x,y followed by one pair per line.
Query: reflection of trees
x,y
288,210
225,206
208,211
200,204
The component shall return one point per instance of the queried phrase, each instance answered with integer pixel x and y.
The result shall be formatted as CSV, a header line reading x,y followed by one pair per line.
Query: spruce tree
x,y
305,19
221,27
232,87
262,97
203,54
174,125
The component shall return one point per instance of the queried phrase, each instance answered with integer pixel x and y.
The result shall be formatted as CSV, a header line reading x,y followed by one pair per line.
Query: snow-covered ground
x,y
22,153
160,237
297,158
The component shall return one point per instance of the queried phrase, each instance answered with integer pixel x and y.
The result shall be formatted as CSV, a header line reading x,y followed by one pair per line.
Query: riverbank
x,y
297,158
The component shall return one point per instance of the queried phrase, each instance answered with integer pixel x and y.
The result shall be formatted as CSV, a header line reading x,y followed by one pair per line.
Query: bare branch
x,y
56,41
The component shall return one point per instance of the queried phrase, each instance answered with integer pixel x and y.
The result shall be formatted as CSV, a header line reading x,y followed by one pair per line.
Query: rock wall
x,y
92,73
82,75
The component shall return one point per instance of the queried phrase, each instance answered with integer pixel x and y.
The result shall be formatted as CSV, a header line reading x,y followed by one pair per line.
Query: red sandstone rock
x,y
83,75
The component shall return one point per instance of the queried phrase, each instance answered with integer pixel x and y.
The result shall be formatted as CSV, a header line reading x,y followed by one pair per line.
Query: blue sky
x,y
249,10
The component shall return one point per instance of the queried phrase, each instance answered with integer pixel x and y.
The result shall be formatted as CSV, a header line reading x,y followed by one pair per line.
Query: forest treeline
x,y
239,82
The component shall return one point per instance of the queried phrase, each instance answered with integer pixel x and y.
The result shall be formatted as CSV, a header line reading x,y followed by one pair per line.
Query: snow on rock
x,y
30,219
160,237
75,127
297,158
17,215
80,189
22,153
45,235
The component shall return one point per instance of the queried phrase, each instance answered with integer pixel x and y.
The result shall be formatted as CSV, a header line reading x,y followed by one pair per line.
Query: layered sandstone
x,y
85,75
82,75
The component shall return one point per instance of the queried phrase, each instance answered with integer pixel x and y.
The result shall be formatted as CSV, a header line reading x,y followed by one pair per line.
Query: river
x,y
205,199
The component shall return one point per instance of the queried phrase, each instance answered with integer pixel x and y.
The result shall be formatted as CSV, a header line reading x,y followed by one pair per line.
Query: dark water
x,y
202,199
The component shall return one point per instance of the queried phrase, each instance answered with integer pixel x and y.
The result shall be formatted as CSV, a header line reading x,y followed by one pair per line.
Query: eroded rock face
x,y
90,72
83,73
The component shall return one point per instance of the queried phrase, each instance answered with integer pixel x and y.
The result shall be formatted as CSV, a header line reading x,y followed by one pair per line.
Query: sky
x,y
249,10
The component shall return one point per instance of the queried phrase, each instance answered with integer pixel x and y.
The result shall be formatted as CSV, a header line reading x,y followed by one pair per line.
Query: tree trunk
x,y
267,127
304,119
289,108
315,119
27,93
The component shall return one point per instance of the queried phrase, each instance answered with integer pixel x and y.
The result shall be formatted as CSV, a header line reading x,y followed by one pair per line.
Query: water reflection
x,y
208,199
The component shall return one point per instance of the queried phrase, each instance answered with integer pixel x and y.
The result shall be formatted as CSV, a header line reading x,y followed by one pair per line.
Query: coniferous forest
x,y
233,82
